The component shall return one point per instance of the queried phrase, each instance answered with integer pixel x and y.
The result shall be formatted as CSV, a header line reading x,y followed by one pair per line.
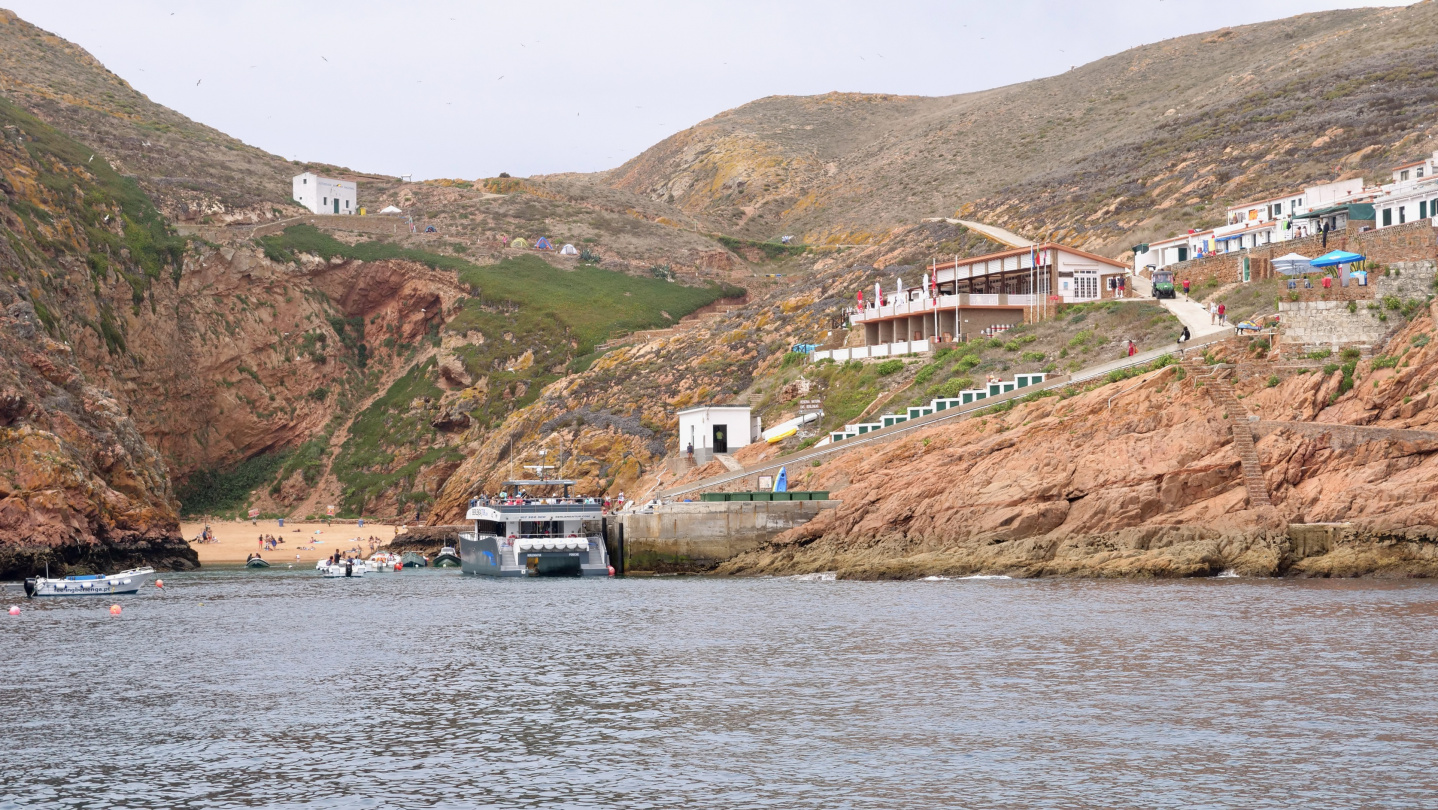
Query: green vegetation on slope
x,y
535,319
225,493
121,228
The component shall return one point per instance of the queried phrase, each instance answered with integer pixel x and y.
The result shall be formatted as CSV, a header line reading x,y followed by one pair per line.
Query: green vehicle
x,y
1163,284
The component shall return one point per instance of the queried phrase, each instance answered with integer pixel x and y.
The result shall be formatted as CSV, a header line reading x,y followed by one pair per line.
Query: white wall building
x,y
325,196
1412,195
716,429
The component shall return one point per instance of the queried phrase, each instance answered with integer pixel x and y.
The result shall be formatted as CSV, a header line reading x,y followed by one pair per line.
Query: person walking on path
x,y
1222,314
1212,313
1185,287
1131,349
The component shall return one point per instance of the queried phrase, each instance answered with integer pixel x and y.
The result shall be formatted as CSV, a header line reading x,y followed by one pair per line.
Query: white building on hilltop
x,y
710,429
325,196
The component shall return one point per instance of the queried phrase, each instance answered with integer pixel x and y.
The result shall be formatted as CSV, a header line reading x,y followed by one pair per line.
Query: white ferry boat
x,y
545,537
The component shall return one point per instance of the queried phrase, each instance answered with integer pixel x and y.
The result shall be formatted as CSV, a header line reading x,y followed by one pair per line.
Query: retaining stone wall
x,y
1415,241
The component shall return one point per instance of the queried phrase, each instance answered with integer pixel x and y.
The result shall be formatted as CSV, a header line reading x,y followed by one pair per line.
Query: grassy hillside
x,y
525,324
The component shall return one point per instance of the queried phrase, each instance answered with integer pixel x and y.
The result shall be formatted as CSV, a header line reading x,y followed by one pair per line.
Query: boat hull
x,y
445,561
492,556
257,564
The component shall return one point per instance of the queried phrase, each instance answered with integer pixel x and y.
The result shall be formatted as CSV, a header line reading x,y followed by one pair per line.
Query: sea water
x,y
277,688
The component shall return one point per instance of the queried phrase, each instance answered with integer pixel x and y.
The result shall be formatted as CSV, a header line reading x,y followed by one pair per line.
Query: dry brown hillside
x,y
190,170
1127,147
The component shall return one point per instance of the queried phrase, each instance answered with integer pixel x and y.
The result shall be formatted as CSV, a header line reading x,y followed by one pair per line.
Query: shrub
x,y
1352,306
953,387
1350,354
926,373
1391,302
1321,354
1330,368
889,367
1419,340
1272,380
1032,357
792,359
1384,361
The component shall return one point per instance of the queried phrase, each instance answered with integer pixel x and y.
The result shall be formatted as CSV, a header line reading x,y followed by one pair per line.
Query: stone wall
x,y
692,537
1415,241
1329,325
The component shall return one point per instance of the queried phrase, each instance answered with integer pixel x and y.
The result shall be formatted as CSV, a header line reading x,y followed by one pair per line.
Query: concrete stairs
x,y
729,462
1220,390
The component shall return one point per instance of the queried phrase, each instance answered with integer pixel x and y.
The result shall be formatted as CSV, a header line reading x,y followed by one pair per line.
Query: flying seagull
x,y
197,82
324,58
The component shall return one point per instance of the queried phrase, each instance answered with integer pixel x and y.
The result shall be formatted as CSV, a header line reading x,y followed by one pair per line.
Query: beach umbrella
x,y
1293,264
1336,258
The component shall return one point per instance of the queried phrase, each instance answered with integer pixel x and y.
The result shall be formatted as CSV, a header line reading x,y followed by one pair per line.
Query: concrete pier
x,y
695,537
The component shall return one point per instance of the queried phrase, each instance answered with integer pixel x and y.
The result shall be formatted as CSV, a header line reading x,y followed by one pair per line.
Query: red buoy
x,y
611,570
114,610
159,583
14,610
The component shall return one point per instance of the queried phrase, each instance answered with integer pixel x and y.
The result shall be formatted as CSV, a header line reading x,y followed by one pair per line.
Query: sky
x,y
467,89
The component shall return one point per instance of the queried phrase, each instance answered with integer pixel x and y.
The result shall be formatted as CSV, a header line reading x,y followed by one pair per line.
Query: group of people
x,y
269,542
523,498
1217,313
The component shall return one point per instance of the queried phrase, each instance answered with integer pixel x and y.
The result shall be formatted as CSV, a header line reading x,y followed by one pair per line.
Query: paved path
x,y
994,232
1191,313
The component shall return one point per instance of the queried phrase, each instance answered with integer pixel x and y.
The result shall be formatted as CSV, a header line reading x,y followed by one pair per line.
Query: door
x,y
721,438
337,205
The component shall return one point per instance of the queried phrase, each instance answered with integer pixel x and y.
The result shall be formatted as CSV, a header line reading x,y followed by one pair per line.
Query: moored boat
x,y
256,562
342,568
413,559
446,558
513,538
383,561
90,584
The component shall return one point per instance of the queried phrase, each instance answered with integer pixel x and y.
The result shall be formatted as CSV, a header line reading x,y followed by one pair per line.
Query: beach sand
x,y
238,540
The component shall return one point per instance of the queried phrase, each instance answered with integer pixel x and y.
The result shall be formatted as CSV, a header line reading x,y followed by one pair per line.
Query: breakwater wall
x,y
696,537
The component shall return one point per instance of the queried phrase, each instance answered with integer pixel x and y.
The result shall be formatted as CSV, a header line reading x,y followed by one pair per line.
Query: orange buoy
x,y
14,610
159,583
114,610
611,570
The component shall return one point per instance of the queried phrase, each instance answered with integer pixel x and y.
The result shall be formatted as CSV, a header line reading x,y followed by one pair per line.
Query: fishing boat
x,y
256,562
413,559
446,558
551,537
90,584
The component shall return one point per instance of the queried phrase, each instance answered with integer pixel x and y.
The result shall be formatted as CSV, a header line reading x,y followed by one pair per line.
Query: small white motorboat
x,y
383,561
90,584
343,568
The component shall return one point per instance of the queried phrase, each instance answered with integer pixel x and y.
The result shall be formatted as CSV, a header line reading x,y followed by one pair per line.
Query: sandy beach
x,y
239,539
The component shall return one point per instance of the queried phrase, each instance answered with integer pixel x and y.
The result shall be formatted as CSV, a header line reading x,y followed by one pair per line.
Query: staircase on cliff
x,y
1215,382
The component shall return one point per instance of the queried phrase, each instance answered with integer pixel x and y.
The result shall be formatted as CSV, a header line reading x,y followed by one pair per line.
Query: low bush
x,y
889,367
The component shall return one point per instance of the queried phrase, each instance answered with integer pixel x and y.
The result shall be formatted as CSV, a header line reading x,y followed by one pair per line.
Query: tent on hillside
x,y
568,250
390,209
519,243
1292,265
543,244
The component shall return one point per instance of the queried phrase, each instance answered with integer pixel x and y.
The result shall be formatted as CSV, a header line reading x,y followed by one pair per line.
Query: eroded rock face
x,y
79,486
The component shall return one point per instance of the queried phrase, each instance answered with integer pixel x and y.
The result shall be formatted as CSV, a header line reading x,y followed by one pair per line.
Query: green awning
x,y
1357,211
1140,249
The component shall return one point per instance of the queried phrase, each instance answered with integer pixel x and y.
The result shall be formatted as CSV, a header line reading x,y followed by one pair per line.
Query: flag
x,y
878,295
781,484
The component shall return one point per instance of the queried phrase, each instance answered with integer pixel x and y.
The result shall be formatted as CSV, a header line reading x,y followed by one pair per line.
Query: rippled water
x,y
428,689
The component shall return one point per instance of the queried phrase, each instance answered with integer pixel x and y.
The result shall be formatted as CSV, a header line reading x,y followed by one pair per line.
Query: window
x,y
304,181
1387,217
1419,173
347,203
1085,285
1422,209
1403,175
1402,214
327,201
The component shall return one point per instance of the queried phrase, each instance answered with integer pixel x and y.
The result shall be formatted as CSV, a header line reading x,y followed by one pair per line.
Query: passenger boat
x,y
383,561
343,568
557,538
413,559
446,558
89,584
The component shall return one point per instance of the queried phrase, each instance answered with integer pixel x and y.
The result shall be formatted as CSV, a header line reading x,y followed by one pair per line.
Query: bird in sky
x,y
197,82
501,77
324,59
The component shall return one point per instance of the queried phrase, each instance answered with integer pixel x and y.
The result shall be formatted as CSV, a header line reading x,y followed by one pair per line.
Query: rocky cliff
x,y
1145,479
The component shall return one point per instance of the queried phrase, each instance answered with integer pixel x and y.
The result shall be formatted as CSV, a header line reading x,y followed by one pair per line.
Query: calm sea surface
x,y
428,689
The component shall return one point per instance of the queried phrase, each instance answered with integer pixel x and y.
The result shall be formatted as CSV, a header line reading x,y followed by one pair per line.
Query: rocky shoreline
x,y
1155,552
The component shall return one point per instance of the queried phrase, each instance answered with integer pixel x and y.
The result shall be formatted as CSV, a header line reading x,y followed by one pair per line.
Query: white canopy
x,y
1293,265
568,250
390,209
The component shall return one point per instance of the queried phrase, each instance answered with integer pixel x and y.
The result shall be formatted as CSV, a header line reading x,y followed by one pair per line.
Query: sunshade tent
x,y
1336,258
1292,265
390,209
519,243
568,250
543,244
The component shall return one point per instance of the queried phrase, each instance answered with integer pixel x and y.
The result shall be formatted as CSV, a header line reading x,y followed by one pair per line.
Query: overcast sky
x,y
470,89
